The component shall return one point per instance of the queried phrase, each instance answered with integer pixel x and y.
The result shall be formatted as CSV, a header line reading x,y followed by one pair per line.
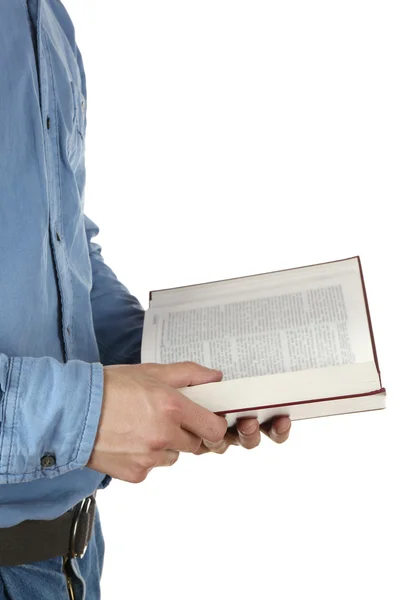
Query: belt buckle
x,y
82,525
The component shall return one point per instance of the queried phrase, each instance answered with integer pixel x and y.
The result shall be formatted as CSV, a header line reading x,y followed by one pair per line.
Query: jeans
x,y
46,580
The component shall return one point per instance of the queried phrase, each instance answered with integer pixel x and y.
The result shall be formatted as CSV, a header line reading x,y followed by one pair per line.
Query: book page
x,y
254,285
246,336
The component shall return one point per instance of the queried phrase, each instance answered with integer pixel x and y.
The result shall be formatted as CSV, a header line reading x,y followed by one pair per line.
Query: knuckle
x,y
148,462
189,364
158,442
172,409
137,476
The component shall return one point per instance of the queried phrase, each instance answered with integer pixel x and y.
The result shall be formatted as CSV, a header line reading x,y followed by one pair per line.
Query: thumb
x,y
182,374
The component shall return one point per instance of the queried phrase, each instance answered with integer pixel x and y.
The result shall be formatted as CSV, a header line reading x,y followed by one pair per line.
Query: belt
x,y
32,541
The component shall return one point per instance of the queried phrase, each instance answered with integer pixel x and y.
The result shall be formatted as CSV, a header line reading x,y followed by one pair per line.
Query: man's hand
x,y
247,434
145,421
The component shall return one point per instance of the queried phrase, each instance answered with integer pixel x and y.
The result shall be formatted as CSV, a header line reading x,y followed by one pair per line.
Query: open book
x,y
297,342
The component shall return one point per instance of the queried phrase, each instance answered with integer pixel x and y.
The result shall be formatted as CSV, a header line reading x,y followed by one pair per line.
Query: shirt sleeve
x,y
117,315
49,416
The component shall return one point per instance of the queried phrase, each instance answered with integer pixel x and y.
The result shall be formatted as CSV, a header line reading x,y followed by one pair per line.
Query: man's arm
x,y
118,320
54,417
117,315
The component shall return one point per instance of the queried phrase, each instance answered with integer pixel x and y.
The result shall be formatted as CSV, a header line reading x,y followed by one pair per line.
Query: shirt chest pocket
x,y
76,137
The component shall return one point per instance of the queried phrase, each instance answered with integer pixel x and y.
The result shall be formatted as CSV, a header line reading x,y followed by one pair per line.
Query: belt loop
x,y
82,525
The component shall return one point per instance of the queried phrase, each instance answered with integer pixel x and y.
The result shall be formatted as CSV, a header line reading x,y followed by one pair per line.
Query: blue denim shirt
x,y
63,313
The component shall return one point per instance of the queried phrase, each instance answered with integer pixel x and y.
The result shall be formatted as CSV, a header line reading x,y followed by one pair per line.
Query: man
x,y
72,405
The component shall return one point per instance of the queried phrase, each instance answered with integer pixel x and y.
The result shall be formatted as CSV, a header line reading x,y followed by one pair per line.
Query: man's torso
x,y
45,273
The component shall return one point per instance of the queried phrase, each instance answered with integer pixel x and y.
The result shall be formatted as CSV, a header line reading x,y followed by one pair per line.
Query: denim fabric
x,y
63,312
46,580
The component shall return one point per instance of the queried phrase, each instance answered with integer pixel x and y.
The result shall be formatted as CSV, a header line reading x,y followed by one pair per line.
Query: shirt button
x,y
48,460
48,122
68,331
58,237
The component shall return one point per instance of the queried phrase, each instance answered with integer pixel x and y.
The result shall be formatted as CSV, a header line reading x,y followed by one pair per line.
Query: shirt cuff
x,y
50,417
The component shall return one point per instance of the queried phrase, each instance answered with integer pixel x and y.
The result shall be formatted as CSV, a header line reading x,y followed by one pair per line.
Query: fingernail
x,y
248,430
281,428
215,447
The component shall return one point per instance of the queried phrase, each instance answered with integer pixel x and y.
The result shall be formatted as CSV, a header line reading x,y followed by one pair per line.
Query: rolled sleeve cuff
x,y
93,412
50,417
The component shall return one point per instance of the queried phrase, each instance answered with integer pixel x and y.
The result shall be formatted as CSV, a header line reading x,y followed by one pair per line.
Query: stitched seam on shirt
x,y
51,71
43,88
24,2
88,408
63,303
55,23
60,189
9,375
13,419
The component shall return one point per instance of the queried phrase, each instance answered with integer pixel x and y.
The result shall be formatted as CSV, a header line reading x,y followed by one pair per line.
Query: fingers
x,y
278,429
219,447
185,441
202,422
145,464
182,374
248,433
202,450
168,458
194,418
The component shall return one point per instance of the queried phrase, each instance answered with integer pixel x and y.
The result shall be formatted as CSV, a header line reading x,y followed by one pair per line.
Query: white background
x,y
227,138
